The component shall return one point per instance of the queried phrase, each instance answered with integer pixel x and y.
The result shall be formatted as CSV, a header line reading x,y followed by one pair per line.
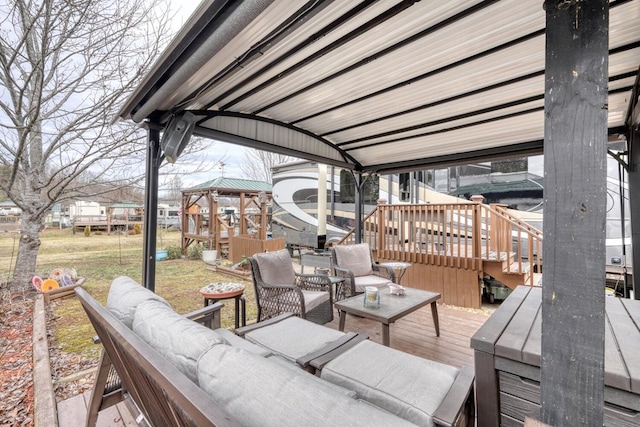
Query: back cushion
x,y
356,258
124,296
276,267
179,340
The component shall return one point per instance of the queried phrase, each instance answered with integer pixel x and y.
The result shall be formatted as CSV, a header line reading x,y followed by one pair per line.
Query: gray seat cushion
x,y
179,340
124,296
406,385
262,393
293,337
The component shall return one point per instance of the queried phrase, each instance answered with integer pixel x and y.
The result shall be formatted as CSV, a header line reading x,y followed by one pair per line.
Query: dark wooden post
x,y
634,206
576,81
151,209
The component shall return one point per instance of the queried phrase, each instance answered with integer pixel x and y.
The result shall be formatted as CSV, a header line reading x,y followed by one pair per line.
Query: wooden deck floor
x,y
413,334
72,412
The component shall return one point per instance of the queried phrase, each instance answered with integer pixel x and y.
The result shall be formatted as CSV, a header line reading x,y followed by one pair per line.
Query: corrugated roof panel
x,y
484,72
515,130
451,124
449,44
491,98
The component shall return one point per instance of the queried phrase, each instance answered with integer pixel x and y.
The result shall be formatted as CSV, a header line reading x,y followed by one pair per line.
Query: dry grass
x,y
100,259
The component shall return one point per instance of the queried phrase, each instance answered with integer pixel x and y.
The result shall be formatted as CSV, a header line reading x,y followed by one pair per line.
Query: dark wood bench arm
x,y
241,332
320,357
209,316
458,406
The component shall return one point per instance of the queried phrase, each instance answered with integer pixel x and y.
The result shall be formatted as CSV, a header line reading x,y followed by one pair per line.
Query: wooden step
x,y
514,268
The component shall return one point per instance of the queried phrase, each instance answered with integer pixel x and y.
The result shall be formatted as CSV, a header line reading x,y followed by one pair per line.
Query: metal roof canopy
x,y
380,86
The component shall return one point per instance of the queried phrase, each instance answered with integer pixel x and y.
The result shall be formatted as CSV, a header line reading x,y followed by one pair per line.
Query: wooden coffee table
x,y
392,307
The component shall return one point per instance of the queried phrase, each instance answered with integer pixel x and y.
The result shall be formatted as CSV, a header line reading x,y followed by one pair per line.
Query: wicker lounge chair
x,y
279,289
355,264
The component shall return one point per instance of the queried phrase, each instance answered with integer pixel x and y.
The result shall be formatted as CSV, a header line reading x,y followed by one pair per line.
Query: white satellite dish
x,y
177,134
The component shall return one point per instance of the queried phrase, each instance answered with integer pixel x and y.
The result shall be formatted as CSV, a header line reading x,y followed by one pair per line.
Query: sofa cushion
x,y
293,337
276,267
356,258
259,392
336,388
362,282
124,296
406,385
235,341
179,340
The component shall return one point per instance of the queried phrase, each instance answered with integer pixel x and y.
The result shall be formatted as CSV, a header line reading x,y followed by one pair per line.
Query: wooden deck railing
x,y
458,235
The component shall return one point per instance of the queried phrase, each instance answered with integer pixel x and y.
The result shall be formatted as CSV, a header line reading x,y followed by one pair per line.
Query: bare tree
x,y
257,164
65,67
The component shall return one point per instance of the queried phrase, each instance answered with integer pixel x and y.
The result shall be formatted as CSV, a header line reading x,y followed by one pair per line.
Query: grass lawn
x,y
100,259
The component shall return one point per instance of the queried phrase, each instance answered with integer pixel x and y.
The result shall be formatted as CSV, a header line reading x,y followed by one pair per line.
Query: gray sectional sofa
x,y
213,377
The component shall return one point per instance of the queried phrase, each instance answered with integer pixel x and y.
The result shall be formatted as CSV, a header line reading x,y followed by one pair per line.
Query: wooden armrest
x,y
457,407
319,362
330,351
208,316
246,329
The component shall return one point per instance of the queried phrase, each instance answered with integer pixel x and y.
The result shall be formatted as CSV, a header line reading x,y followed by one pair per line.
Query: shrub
x,y
137,228
87,230
173,252
195,252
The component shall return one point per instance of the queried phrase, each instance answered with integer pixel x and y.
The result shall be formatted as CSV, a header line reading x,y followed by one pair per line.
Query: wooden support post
x,y
576,82
634,207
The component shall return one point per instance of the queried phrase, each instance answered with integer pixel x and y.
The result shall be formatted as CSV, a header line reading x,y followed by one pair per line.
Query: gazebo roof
x,y
375,86
232,184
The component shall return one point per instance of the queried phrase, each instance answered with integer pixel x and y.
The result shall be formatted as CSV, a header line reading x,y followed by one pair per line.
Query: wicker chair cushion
x,y
179,340
293,337
356,258
370,280
125,295
276,267
405,385
260,392
312,299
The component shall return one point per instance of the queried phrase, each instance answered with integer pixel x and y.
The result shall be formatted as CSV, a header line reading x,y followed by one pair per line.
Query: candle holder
x,y
371,297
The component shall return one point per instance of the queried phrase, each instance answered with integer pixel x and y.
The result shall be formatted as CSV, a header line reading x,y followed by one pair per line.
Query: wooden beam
x,y
634,206
576,80
44,397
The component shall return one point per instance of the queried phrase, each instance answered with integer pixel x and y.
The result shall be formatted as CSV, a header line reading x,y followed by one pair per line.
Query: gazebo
x,y
229,215
392,86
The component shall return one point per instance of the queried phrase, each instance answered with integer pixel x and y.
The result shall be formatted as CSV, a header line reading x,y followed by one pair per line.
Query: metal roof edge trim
x,y
494,153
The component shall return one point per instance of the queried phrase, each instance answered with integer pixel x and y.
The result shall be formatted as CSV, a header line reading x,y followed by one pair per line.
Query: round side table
x,y
399,267
240,303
